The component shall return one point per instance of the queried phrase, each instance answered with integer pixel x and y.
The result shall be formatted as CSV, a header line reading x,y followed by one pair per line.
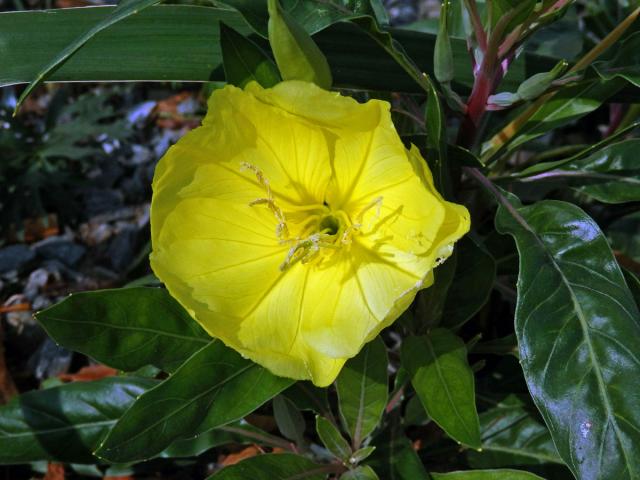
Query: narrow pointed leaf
x,y
363,472
437,142
297,55
332,439
289,419
244,61
214,387
577,325
363,389
281,466
65,423
442,378
471,285
239,432
125,328
395,458
125,9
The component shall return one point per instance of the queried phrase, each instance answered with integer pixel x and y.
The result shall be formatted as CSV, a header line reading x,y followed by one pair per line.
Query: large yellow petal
x,y
319,107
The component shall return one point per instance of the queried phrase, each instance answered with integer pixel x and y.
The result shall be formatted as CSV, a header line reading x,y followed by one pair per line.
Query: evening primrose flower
x,y
294,225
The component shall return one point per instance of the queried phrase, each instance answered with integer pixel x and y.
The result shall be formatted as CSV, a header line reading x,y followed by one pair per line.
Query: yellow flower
x,y
295,226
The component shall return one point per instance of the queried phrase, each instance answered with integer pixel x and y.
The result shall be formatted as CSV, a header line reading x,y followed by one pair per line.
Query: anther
x,y
281,227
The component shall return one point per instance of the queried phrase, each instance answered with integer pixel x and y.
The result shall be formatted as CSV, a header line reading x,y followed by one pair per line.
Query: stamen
x,y
305,250
281,228
357,225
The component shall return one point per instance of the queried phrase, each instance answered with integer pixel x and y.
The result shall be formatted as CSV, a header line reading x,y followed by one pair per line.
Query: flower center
x,y
329,225
313,232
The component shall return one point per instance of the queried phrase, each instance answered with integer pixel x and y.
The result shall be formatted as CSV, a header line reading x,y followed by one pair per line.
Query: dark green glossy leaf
x,y
624,235
577,326
430,302
238,432
125,328
244,61
633,282
332,439
289,419
307,396
65,423
362,390
625,62
282,466
186,47
214,387
471,285
395,458
444,382
506,474
312,15
611,175
297,55
512,436
124,9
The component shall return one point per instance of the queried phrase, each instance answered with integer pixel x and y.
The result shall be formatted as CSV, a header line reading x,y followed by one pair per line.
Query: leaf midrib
x,y
131,329
176,411
580,314
436,362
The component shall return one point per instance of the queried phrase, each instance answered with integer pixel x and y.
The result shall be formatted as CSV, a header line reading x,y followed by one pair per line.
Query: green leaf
x,y
437,142
505,474
332,439
577,328
512,436
244,61
289,419
430,302
611,175
624,235
307,396
125,52
520,9
362,454
125,9
65,423
444,382
472,284
362,390
297,55
625,62
567,105
214,387
633,282
363,472
395,458
239,432
280,466
125,328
